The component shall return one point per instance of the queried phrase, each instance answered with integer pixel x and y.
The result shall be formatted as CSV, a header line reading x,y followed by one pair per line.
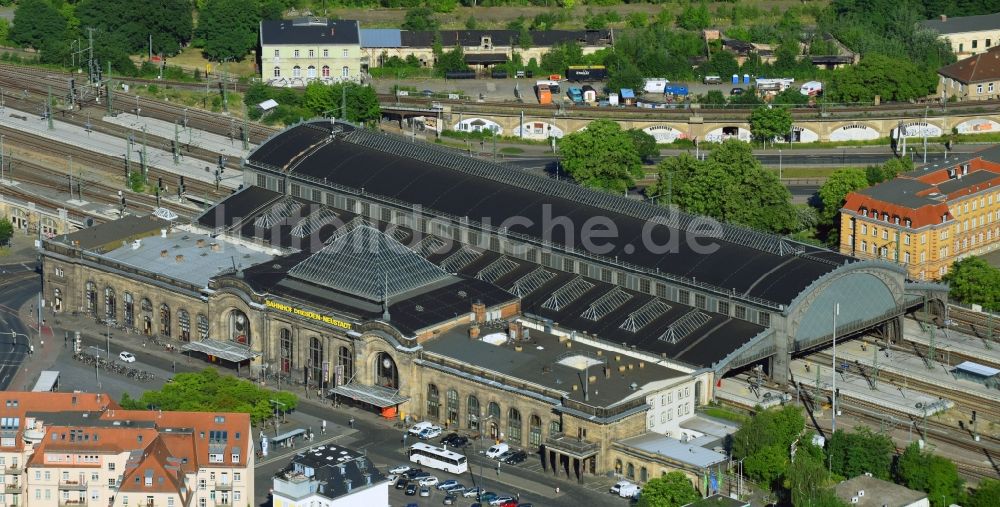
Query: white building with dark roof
x,y
967,35
295,52
331,476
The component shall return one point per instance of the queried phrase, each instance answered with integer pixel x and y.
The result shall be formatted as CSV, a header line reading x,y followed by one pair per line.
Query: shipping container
x,y
676,89
544,94
579,73
612,99
654,85
553,85
461,74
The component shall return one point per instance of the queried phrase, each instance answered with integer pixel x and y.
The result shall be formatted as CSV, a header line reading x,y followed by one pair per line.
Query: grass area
x,y
511,150
725,413
191,58
210,101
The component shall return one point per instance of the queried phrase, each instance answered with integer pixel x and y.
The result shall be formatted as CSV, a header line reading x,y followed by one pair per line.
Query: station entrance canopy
x,y
226,351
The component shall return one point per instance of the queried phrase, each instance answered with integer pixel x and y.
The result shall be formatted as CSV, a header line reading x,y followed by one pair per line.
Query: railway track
x,y
978,324
965,401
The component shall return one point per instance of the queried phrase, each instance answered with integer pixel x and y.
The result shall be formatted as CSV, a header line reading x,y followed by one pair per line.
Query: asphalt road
x,y
15,288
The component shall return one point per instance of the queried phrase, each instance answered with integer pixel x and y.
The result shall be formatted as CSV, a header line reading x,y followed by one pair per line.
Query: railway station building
x,y
414,281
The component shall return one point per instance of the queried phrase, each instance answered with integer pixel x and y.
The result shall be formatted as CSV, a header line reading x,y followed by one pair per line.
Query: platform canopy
x,y
977,369
378,396
232,352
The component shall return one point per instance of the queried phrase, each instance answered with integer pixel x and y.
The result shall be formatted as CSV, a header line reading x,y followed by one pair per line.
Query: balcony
x,y
73,502
70,485
224,486
12,488
13,470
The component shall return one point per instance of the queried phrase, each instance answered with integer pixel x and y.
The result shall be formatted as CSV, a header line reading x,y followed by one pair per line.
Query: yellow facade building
x,y
928,218
967,35
297,52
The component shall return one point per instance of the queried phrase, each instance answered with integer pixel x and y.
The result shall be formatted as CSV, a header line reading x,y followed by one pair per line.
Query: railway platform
x,y
953,345
744,393
856,389
160,158
229,146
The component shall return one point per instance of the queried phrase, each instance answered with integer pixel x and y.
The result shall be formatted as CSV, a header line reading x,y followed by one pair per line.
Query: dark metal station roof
x,y
743,262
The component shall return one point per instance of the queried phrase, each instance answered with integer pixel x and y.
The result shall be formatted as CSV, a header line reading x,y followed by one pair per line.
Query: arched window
x,y
433,402
472,409
385,371
555,427
165,320
643,474
618,466
147,316
57,300
311,72
239,327
91,296
493,411
48,227
326,71
296,71
346,362
277,72
535,430
110,304
202,326
345,72
129,310
452,407
514,425
630,471
316,360
184,324
285,349
19,218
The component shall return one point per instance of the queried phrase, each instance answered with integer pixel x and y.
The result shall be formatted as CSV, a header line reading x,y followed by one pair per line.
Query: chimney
x,y
163,253
479,311
944,18
200,243
474,332
215,247
163,233
179,258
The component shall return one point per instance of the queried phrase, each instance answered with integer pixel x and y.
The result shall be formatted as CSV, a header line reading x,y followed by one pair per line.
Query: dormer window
x,y
895,220
487,42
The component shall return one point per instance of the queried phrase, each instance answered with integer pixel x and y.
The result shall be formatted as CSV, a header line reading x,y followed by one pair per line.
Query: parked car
x,y
488,496
450,499
402,482
392,478
126,357
411,489
420,426
503,457
500,500
457,490
516,457
618,486
420,474
497,450
427,481
455,440
450,483
411,473
428,433
425,491
736,91
524,505
401,469
471,492
508,503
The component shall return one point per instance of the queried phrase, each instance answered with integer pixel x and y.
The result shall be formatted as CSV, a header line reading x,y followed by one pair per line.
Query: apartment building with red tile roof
x,y
77,449
928,218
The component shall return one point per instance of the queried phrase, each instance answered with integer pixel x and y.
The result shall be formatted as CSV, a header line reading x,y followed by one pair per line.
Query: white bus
x,y
437,457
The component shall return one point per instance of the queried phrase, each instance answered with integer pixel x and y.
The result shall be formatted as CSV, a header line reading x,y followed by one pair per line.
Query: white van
x,y
420,426
497,450
811,89
713,80
619,486
629,490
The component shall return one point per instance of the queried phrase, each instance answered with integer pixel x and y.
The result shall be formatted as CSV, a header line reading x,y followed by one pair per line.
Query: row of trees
x,y
605,156
208,391
226,29
355,102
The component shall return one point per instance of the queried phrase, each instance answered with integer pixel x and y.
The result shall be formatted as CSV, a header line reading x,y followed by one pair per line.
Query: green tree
x,y
645,144
973,281
451,61
934,475
209,391
602,156
836,187
672,173
987,494
671,490
471,23
722,64
562,56
169,22
767,465
136,182
769,122
6,231
4,31
791,97
694,17
777,426
36,22
420,18
733,186
855,453
228,29
890,78
623,73
524,39
713,98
